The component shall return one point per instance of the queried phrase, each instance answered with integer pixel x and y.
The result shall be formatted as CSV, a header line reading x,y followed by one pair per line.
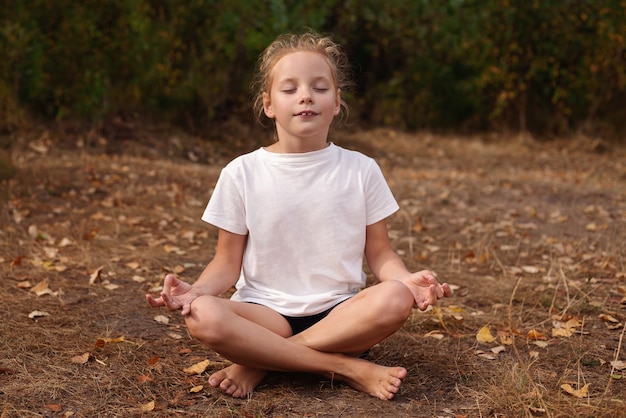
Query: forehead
x,y
302,64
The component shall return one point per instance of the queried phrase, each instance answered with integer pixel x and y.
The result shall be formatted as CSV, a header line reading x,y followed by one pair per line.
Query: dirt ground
x,y
532,235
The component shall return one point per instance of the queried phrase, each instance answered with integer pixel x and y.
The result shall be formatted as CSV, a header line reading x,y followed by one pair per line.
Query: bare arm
x,y
223,270
382,260
385,264
218,276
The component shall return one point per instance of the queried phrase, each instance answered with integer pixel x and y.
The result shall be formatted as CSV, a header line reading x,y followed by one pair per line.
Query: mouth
x,y
306,113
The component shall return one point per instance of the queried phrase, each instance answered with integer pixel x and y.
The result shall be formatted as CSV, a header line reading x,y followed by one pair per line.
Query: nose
x,y
305,97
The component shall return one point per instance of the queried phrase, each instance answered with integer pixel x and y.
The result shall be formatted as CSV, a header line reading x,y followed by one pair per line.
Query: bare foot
x,y
236,380
373,379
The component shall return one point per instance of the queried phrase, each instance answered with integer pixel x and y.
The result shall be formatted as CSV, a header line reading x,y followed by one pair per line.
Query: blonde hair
x,y
288,43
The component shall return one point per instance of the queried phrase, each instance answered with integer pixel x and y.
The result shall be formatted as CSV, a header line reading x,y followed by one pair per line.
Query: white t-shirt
x,y
305,216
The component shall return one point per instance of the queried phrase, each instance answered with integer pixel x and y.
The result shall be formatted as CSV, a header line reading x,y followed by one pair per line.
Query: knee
x,y
395,302
205,320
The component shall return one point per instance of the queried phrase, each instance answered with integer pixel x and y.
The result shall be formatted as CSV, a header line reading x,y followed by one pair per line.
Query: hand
x,y
426,289
176,294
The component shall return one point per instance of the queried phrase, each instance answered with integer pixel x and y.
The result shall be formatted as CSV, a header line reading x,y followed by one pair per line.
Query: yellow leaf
x,y
561,332
162,319
506,339
196,389
578,393
197,368
484,336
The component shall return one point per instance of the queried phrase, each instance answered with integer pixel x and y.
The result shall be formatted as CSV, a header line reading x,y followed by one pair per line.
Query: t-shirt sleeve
x,y
226,209
380,202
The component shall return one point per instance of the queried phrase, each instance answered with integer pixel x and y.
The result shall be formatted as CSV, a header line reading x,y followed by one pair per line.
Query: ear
x,y
337,103
267,106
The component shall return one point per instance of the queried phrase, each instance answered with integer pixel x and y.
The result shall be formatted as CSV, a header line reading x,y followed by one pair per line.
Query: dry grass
x,y
530,234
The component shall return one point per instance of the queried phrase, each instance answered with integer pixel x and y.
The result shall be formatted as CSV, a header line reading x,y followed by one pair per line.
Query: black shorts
x,y
300,323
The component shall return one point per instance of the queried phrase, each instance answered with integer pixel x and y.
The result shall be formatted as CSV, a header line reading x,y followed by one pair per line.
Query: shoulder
x,y
353,155
242,162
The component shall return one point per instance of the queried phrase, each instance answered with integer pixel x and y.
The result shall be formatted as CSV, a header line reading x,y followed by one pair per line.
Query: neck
x,y
296,145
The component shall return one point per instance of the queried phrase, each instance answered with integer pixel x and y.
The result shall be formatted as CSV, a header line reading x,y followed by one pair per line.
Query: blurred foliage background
x,y
550,67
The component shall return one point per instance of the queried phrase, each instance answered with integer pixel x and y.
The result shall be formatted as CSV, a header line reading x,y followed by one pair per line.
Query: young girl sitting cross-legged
x,y
295,220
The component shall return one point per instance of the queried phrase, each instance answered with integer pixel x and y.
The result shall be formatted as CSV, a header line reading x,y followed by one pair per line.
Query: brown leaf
x,y
54,407
95,275
144,378
147,407
81,359
42,288
578,393
533,334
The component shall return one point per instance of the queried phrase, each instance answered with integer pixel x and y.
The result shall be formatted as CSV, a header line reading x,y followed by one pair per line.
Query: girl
x,y
295,220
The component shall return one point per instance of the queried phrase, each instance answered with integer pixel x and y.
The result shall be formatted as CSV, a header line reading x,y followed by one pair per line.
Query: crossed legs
x,y
257,339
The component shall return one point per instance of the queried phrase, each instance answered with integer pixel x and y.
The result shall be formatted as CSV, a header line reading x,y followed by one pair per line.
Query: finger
x,y
447,290
167,283
430,298
186,309
155,303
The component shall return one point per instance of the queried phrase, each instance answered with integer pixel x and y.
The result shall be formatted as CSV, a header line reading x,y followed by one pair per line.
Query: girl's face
x,y
302,99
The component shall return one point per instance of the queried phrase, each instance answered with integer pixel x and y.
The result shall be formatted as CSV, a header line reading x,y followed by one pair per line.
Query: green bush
x,y
547,66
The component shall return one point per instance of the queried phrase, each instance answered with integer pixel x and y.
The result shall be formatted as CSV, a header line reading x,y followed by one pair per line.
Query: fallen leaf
x,y
111,286
95,275
144,378
101,342
24,285
133,265
484,355
153,360
533,334
54,407
42,288
197,368
619,365
147,407
37,314
436,334
578,393
498,349
162,319
608,318
530,269
81,359
484,336
196,389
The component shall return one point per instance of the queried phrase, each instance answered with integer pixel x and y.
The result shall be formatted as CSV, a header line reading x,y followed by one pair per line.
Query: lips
x,y
306,113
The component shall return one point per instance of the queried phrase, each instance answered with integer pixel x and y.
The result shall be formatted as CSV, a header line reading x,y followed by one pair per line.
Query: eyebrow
x,y
293,79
